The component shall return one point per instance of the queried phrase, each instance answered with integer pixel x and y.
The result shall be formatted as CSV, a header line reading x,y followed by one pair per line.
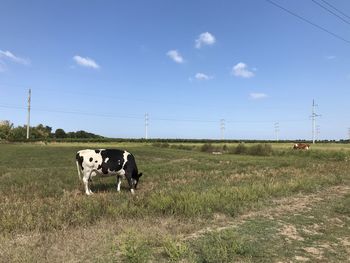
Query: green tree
x,y
18,133
5,129
60,133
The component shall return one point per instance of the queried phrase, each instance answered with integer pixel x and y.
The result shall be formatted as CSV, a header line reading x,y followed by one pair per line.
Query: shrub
x,y
207,147
240,149
261,150
135,249
175,251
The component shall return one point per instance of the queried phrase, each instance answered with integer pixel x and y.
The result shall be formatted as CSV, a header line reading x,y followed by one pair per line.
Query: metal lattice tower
x,y
146,125
313,117
222,128
28,116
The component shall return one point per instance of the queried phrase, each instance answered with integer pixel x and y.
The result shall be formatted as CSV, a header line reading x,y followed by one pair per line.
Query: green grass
x,y
41,196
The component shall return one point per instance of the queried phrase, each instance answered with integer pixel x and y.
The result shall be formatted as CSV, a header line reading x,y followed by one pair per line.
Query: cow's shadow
x,y
102,187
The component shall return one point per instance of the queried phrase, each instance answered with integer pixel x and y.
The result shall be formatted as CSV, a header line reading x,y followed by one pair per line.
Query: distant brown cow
x,y
301,146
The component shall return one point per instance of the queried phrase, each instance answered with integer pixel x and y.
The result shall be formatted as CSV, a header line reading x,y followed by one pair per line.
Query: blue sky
x,y
101,65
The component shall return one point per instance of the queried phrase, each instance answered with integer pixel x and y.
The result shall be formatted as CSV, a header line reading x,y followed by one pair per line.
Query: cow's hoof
x,y
132,191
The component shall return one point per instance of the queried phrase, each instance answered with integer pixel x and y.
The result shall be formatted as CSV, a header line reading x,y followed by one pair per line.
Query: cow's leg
x,y
92,173
87,177
119,182
86,183
128,177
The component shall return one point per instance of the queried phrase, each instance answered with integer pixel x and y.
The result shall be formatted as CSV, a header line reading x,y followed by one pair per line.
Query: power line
x,y
308,21
336,9
72,112
152,101
139,117
330,11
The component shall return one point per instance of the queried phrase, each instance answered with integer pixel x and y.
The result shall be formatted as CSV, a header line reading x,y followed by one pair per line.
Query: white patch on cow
x,y
118,187
106,159
132,191
125,156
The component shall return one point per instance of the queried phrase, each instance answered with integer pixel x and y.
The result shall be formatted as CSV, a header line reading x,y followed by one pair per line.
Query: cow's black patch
x,y
97,151
96,161
90,159
115,160
80,160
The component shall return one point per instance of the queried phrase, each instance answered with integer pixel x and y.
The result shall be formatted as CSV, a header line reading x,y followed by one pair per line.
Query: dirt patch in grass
x,y
287,205
291,233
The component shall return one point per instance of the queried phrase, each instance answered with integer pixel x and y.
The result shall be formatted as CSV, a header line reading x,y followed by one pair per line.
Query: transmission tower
x,y
28,116
222,128
313,117
146,125
318,131
277,129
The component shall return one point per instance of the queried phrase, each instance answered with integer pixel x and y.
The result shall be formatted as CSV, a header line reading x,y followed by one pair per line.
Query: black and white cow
x,y
107,162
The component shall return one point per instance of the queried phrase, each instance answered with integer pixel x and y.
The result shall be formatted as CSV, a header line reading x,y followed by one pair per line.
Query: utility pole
x,y
146,125
28,116
277,129
222,128
314,116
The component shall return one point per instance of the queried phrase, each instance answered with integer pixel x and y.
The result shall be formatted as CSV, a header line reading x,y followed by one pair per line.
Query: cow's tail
x,y
78,161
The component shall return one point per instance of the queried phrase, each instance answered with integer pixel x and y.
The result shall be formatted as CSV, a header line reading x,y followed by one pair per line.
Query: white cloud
x,y
9,56
330,57
202,76
205,39
176,56
241,70
86,62
257,96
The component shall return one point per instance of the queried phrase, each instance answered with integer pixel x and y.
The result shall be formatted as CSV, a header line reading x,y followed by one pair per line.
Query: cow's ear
x,y
140,174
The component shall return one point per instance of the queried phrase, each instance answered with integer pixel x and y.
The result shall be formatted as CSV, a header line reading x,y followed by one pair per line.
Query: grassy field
x,y
191,206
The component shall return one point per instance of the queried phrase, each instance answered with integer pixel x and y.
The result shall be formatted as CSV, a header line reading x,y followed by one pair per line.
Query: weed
x,y
135,249
223,246
174,250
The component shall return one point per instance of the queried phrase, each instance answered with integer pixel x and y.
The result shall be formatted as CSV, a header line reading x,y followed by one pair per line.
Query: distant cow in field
x,y
301,146
107,162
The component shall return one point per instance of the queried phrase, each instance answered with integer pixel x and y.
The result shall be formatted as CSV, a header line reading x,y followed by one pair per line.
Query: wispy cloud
x,y
205,39
257,96
330,57
202,76
241,70
86,62
7,56
175,56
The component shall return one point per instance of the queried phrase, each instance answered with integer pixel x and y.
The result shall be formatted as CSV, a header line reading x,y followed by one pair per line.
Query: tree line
x,y
9,132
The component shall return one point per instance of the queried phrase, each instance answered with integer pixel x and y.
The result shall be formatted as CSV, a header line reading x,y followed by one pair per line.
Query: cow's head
x,y
136,178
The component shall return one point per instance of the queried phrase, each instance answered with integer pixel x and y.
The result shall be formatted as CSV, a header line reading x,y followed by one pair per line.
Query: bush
x,y
261,150
183,147
161,144
207,147
240,149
